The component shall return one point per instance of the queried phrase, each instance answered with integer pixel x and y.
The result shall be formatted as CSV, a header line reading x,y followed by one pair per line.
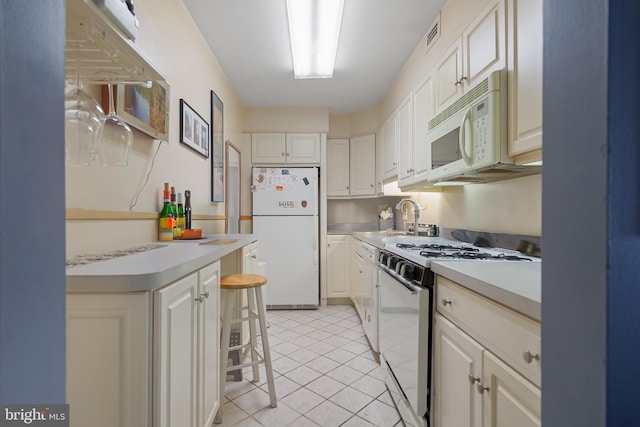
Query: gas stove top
x,y
441,250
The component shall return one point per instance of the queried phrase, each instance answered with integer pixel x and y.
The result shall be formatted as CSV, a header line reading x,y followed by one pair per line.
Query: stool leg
x,y
252,332
224,350
265,347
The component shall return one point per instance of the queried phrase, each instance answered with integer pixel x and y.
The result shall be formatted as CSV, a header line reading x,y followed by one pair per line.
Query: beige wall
x,y
169,38
512,206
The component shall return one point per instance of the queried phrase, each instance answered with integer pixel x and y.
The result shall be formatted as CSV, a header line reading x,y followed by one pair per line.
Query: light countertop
x,y
516,285
155,268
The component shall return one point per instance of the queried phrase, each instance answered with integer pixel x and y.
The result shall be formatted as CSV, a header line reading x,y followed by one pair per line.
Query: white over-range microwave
x,y
468,139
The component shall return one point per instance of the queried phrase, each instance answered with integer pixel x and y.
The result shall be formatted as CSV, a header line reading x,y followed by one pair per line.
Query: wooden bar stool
x,y
253,284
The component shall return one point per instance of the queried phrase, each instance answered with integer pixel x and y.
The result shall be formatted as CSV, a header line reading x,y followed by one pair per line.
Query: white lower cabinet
x,y
337,267
473,385
356,274
510,400
146,358
109,359
186,347
457,361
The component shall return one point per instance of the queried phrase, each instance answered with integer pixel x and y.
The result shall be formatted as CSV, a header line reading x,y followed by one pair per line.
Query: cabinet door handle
x,y
446,302
473,379
347,187
457,82
482,388
462,78
206,294
528,356
371,185
282,154
254,256
200,298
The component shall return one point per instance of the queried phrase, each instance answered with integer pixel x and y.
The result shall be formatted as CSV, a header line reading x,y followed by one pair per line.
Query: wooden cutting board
x,y
220,242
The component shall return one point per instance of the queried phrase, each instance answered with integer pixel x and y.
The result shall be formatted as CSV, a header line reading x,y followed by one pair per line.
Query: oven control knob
x,y
399,266
392,261
407,271
382,259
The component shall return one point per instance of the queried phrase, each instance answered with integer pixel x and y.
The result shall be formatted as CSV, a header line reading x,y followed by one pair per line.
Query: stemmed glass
x,y
117,138
84,119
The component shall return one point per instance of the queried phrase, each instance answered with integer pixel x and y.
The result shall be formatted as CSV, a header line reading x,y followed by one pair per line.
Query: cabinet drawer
x,y
511,336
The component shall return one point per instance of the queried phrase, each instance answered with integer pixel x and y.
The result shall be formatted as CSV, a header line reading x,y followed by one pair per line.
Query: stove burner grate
x,y
463,254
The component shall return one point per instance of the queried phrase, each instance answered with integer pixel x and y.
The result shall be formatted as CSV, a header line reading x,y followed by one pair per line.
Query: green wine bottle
x,y
167,221
177,231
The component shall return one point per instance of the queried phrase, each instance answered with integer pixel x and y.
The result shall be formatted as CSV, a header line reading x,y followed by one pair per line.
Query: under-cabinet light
x,y
314,30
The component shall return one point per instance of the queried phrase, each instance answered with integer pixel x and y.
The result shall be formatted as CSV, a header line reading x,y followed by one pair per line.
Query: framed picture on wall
x,y
217,147
144,108
194,130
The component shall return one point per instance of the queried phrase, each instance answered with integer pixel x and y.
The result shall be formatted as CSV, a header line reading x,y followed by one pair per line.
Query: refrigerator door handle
x,y
315,240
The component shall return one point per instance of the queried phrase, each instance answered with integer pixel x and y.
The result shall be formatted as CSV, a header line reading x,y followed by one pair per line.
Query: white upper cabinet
x,y
268,148
389,168
281,148
338,167
414,154
422,113
362,176
404,142
351,167
525,77
303,148
480,50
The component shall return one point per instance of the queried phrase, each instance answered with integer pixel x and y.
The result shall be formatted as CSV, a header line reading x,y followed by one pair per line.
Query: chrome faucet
x,y
416,212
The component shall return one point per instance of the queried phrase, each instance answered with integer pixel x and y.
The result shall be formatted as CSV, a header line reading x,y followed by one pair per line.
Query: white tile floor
x,y
325,375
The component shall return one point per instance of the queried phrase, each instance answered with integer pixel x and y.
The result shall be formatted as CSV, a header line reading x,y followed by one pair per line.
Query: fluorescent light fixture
x,y
314,29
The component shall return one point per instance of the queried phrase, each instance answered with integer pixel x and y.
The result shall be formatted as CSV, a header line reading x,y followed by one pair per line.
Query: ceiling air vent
x,y
434,33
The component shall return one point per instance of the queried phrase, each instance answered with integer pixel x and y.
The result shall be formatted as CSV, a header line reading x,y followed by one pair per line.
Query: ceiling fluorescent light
x,y
314,29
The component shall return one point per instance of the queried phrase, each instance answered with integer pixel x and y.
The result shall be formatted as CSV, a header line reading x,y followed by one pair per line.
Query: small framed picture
x,y
144,108
194,130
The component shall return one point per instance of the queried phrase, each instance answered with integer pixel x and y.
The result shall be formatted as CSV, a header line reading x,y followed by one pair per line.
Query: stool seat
x,y
242,281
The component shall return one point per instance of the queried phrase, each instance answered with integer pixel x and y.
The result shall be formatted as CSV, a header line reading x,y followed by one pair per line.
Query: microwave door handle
x,y
462,138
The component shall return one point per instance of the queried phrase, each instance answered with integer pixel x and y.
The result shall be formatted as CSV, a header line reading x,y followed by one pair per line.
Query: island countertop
x,y
155,268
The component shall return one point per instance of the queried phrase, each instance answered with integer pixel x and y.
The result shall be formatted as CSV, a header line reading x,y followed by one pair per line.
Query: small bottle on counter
x,y
180,221
174,206
166,221
187,210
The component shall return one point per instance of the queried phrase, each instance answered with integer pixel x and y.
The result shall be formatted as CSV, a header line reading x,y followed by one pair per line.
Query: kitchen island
x,y
143,333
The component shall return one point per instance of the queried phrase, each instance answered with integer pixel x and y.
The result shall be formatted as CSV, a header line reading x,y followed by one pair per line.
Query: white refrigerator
x,y
285,219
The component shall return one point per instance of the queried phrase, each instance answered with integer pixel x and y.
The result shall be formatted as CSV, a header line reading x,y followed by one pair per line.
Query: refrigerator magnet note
x,y
306,181
286,204
304,204
279,188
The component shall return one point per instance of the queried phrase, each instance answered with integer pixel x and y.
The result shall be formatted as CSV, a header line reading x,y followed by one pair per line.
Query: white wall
x,y
169,38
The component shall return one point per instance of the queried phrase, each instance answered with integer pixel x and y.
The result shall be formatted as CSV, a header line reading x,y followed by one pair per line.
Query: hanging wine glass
x,y
83,123
116,140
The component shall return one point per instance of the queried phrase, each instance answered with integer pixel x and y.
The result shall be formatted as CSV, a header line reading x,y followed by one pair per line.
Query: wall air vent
x,y
434,33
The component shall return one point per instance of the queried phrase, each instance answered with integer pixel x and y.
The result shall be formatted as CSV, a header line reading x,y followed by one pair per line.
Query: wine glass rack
x,y
105,54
